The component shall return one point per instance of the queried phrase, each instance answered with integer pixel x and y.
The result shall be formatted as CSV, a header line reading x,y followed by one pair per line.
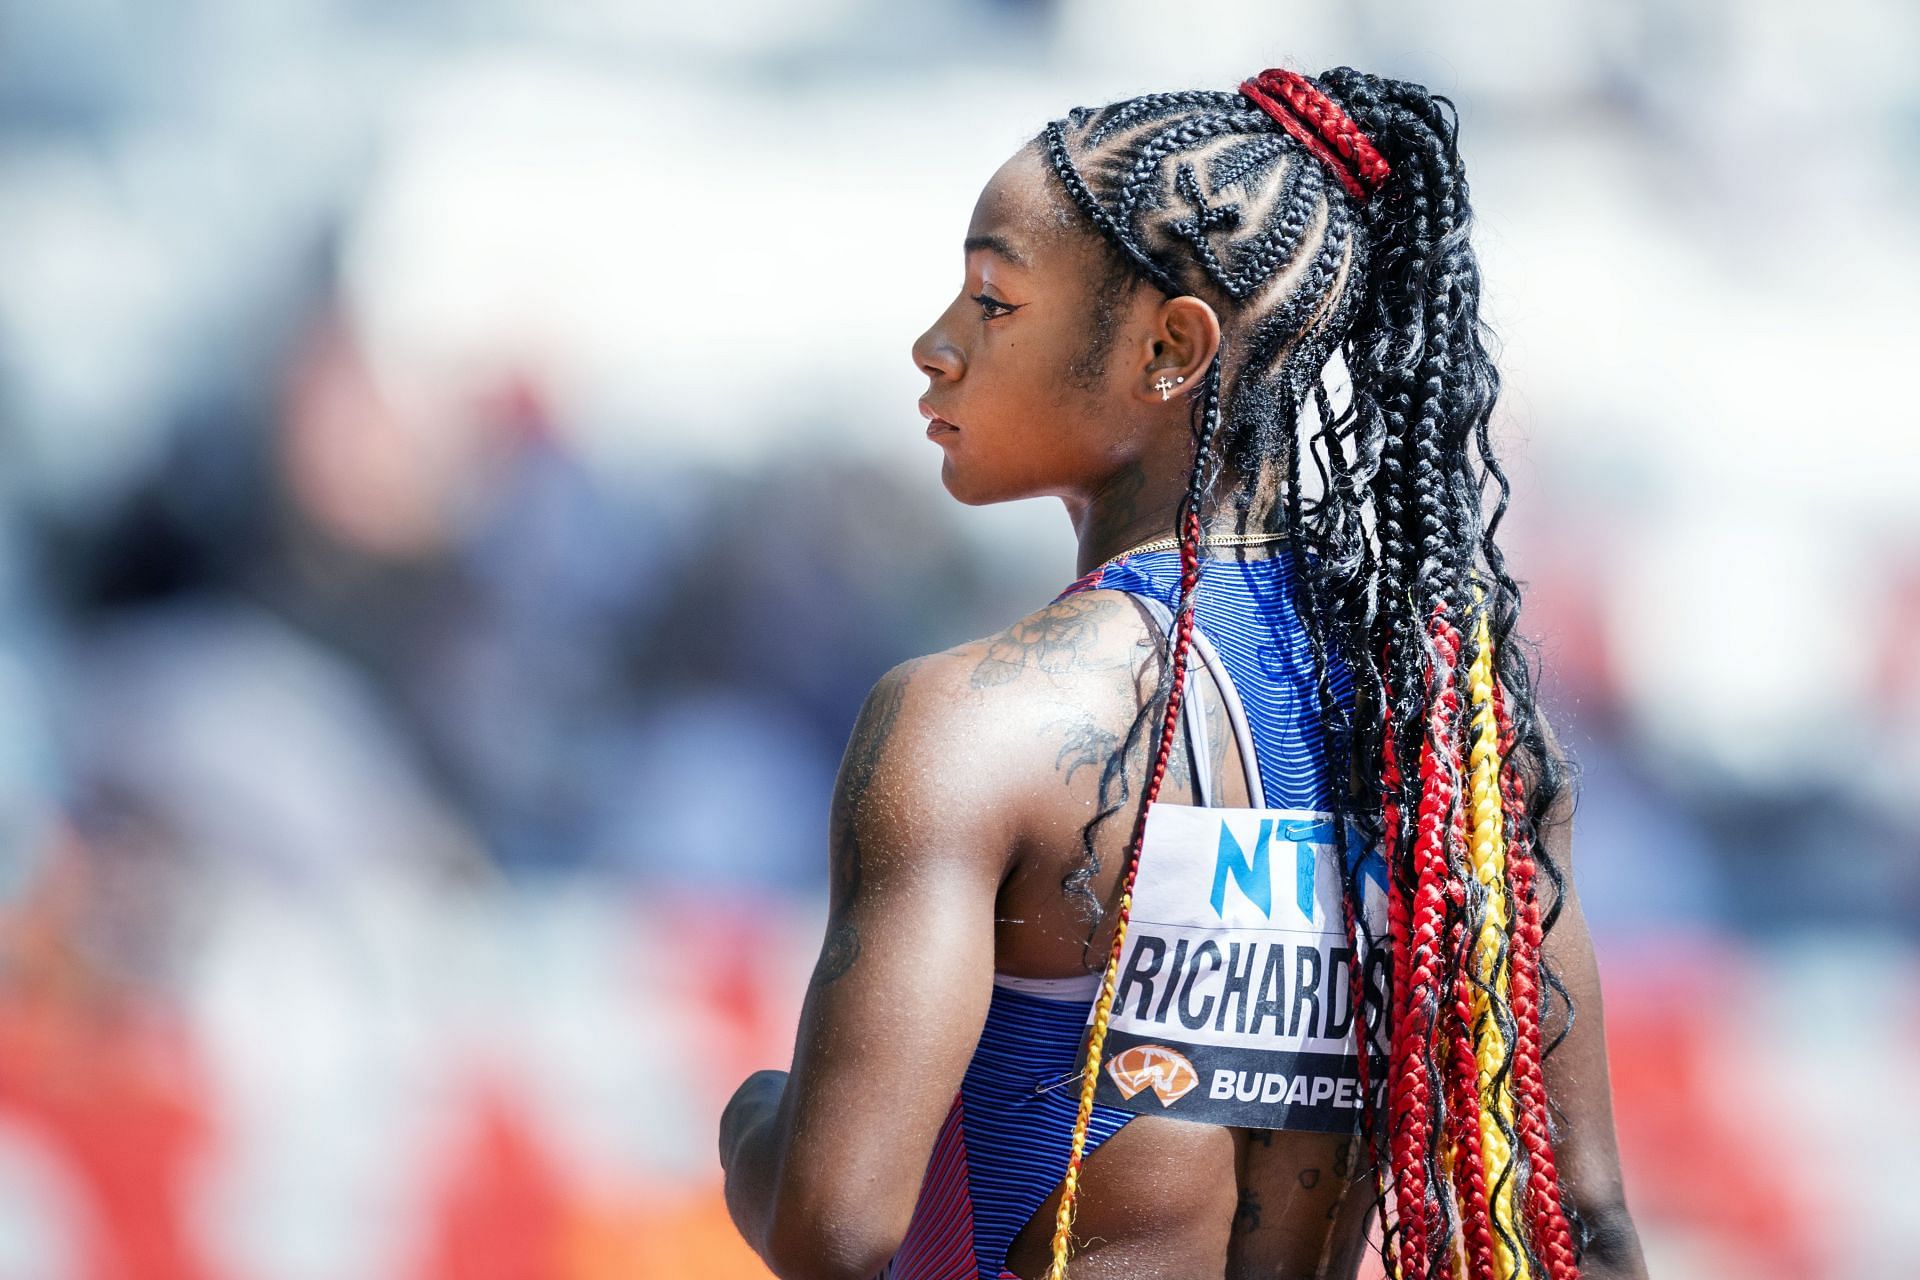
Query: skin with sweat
x,y
959,808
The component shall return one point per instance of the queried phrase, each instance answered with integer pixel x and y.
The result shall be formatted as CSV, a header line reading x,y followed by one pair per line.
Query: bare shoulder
x,y
996,697
969,729
1090,633
1072,646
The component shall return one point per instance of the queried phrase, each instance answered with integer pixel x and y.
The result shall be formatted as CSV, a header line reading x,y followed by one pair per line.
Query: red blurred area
x,y
109,1082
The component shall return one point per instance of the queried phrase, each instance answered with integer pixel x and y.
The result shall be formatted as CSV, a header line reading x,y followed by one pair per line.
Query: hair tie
x,y
1300,108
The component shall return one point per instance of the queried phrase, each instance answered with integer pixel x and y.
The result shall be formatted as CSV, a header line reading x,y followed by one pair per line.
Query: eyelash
x,y
988,300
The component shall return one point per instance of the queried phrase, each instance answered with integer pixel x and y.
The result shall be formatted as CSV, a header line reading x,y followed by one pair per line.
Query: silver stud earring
x,y
1165,386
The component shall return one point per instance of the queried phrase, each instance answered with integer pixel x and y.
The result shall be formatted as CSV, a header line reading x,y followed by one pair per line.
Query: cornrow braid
x,y
1097,214
1176,138
1153,106
1321,216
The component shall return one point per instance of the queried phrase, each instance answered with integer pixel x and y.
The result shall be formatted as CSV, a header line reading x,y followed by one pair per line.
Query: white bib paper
x,y
1234,1001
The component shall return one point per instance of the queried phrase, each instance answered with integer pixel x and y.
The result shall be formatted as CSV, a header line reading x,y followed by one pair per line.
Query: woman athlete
x,y
1155,292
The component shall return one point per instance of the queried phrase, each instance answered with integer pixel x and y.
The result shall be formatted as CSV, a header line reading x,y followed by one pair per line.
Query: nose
x,y
935,356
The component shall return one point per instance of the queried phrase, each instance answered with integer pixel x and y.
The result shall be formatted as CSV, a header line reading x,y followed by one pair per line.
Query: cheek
x,y
1037,373
1033,430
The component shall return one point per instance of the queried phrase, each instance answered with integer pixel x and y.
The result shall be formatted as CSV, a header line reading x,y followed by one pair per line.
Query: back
x,y
1160,1196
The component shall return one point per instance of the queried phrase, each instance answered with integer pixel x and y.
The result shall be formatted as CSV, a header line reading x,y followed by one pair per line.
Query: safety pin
x,y
1063,1080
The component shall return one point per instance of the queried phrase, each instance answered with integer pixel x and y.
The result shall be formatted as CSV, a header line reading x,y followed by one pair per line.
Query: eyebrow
x,y
999,245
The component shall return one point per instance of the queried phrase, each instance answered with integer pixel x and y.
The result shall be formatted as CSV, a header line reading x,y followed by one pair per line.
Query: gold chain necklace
x,y
1218,540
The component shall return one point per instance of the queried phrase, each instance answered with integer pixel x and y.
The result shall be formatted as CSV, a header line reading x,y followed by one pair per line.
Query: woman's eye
x,y
993,306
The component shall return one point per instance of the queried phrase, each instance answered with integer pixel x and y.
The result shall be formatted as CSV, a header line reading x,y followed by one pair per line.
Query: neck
x,y
1133,507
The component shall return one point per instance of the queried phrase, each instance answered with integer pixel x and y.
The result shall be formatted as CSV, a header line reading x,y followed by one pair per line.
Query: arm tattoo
x,y
1086,743
864,750
1060,639
1115,790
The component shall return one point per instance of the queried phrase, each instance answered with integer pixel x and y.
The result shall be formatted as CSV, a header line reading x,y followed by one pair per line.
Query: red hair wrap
x,y
1300,108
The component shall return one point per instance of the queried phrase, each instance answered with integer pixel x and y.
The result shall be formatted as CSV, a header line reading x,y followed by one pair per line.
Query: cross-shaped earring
x,y
1165,385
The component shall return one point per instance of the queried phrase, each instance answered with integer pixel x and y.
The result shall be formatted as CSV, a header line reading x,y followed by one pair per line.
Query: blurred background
x,y
461,476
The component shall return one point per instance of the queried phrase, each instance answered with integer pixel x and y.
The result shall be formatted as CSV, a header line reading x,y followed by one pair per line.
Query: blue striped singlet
x,y
1003,1147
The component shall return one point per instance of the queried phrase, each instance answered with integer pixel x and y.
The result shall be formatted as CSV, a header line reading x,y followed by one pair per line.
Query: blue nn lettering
x,y
1254,878
1305,835
1303,861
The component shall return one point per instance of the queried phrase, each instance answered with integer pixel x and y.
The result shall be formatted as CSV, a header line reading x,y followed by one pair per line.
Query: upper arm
x,y
900,992
1585,1150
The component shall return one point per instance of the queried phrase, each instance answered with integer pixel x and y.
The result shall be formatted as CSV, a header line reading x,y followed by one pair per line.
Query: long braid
x,y
1418,1106
1329,215
1491,1011
1423,1159
1464,1153
1551,1241
1189,523
1152,106
1382,417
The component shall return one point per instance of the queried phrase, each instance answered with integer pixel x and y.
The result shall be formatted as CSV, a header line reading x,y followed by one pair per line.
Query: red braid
x,y
1322,127
1399,942
1552,1241
1416,1108
1463,1088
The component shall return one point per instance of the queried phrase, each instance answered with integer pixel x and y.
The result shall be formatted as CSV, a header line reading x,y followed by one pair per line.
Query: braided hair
x,y
1326,216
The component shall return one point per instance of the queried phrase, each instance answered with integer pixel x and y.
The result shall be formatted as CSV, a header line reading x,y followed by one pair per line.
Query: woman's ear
x,y
1182,340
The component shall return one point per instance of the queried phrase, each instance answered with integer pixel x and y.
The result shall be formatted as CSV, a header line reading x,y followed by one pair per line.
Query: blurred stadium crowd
x,y
461,476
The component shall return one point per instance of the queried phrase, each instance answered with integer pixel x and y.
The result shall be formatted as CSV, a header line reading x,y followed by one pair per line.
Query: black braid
x,y
1077,188
1143,160
1246,162
1154,106
1267,252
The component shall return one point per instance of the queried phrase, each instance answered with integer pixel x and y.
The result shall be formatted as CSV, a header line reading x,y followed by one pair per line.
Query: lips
x,y
936,425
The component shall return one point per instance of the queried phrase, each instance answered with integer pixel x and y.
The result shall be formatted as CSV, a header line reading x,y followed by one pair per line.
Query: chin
x,y
972,487
965,489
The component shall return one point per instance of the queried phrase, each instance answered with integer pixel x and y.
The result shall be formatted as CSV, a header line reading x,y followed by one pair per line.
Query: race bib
x,y
1234,1001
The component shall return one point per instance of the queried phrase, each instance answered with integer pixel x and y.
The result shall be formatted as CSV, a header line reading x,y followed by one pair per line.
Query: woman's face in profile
x,y
1010,402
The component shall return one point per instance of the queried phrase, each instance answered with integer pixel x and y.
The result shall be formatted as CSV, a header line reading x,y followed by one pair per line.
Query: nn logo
x,y
1153,1066
1254,873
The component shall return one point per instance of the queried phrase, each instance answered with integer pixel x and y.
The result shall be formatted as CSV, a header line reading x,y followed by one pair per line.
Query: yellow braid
x,y
1089,1080
1490,965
